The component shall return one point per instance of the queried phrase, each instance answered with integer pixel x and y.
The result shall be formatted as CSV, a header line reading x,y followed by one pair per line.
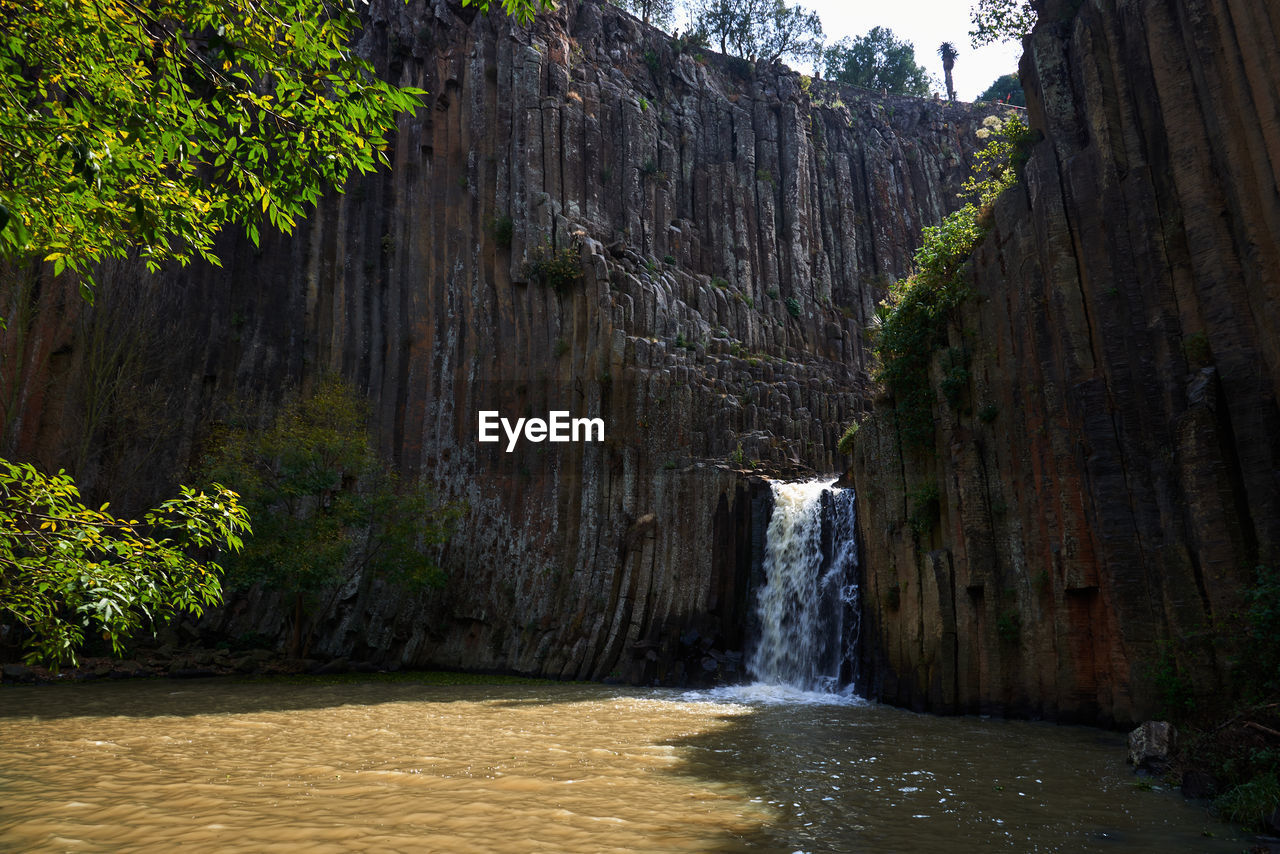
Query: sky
x,y
926,24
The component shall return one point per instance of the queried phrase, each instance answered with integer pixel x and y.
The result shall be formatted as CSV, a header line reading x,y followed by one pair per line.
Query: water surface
x,y
392,766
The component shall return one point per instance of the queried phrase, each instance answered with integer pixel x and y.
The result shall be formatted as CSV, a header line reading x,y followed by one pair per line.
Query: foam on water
x,y
764,694
806,611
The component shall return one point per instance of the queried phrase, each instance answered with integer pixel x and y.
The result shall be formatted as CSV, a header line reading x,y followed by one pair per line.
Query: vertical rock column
x,y
1107,481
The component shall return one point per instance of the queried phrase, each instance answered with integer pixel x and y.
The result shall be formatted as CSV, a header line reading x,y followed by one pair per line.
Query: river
x,y
379,765
793,762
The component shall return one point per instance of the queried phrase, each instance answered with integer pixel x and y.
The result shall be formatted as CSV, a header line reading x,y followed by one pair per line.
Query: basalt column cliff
x,y
735,227
1102,491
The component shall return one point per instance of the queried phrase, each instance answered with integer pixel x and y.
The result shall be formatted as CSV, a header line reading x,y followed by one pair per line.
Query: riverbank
x,y
254,664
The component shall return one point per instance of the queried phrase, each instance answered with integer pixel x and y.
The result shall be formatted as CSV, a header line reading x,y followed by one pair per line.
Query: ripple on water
x,y
515,769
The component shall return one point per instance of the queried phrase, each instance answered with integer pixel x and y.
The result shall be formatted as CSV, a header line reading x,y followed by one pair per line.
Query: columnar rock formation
x,y
1108,482
735,228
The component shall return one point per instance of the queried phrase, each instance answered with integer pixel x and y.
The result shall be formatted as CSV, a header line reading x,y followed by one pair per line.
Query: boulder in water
x,y
1151,745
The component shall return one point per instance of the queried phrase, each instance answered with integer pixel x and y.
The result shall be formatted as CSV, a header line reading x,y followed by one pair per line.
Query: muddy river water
x,y
401,766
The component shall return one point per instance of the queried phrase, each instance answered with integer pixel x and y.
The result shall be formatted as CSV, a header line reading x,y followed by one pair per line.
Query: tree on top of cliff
x,y
1000,20
149,127
877,60
659,13
1007,89
763,31
948,53
716,21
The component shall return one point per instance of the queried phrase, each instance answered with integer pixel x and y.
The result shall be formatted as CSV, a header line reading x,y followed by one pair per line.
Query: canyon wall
x,y
735,227
1076,541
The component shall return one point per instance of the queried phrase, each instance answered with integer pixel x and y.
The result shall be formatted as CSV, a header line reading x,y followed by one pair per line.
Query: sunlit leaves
x,y
996,166
877,60
522,10
759,30
151,126
67,570
1000,20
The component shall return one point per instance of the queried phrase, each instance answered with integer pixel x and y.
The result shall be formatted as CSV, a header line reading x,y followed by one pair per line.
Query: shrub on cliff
x,y
845,445
503,229
913,319
326,508
557,269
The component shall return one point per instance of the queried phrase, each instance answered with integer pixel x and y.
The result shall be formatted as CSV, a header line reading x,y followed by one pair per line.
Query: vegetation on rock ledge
x,y
326,508
557,269
913,320
845,445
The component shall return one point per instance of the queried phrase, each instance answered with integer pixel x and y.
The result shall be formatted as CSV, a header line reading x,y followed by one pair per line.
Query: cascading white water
x,y
807,608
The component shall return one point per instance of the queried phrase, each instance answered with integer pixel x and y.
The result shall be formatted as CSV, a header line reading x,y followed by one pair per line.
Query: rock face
x,y
1108,481
735,228
1152,745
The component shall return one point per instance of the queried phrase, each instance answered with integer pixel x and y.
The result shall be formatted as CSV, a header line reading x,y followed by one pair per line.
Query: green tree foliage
x,y
659,13
1006,89
877,60
325,507
150,126
1000,20
912,321
559,269
845,445
147,128
716,21
763,31
67,569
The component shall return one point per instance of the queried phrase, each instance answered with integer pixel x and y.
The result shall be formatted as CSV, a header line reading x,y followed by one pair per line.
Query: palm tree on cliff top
x,y
948,53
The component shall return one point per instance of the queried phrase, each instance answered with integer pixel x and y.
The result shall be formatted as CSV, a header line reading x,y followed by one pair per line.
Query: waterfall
x,y
807,608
